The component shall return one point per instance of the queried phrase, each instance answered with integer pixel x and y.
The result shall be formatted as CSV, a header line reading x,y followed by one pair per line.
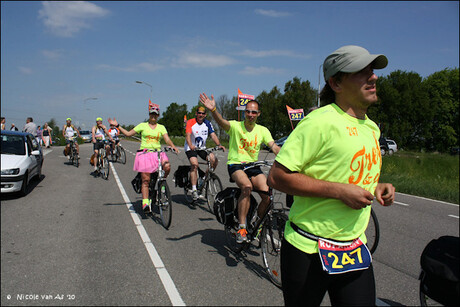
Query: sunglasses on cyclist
x,y
201,113
252,111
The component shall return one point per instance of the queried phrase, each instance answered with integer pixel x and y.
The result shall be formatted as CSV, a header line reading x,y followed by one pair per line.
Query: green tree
x,y
403,110
173,119
442,90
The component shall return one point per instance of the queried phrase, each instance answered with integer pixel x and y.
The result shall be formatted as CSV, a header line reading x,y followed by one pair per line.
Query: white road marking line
x,y
453,216
166,279
438,201
402,204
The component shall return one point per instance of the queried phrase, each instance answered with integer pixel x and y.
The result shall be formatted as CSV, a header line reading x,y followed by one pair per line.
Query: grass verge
x,y
429,175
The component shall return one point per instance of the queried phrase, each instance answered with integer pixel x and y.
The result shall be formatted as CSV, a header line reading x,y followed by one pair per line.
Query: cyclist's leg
x,y
193,171
145,189
213,159
165,164
303,279
245,185
78,148
260,183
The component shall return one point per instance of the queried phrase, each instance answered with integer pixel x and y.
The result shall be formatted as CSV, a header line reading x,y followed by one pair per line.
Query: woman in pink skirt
x,y
146,162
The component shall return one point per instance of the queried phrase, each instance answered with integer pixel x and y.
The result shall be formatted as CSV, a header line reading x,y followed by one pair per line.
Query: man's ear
x,y
335,84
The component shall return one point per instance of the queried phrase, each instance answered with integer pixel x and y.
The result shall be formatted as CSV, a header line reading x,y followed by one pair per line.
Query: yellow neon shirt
x,y
150,138
244,146
333,146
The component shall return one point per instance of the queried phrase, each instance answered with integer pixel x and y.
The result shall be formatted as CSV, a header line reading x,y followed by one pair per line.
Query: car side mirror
x,y
35,152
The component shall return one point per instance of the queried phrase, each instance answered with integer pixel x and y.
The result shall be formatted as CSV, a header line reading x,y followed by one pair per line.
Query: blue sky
x,y
56,55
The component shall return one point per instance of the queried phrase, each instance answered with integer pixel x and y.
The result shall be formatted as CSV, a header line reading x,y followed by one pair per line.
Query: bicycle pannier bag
x,y
137,183
225,204
91,161
180,176
440,265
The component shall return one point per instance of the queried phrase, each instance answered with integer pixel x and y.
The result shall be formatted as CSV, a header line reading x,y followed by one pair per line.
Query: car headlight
x,y
13,171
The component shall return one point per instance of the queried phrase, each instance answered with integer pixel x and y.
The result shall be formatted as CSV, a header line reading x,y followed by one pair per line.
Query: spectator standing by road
x,y
30,126
14,128
46,135
3,120
39,135
331,163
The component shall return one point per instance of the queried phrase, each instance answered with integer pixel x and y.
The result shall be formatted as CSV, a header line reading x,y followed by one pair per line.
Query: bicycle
x,y
159,193
102,162
117,152
267,229
208,182
73,155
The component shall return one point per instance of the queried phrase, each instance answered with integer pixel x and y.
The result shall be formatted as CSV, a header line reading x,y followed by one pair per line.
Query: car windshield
x,y
13,145
85,132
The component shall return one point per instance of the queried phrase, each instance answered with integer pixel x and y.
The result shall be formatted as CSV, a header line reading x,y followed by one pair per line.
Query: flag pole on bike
x,y
146,161
245,140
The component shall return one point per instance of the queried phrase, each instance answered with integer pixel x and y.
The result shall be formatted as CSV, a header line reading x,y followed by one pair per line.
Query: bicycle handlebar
x,y
249,165
208,150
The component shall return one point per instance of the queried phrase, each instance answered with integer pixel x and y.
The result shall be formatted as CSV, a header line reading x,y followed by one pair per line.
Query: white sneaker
x,y
194,195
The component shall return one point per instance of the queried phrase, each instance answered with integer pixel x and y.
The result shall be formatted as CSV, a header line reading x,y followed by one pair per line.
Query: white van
x,y
392,146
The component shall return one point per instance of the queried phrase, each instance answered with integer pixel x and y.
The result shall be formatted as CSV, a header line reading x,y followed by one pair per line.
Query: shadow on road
x,y
215,239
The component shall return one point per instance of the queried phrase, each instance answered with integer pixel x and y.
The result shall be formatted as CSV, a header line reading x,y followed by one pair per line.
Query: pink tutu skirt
x,y
147,161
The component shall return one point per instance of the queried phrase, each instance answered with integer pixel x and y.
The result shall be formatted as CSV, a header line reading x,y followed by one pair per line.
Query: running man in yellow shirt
x,y
331,163
246,137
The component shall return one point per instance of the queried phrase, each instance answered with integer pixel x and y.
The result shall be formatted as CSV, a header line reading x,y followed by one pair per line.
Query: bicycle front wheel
x,y
271,237
76,161
213,186
122,154
105,167
373,232
164,203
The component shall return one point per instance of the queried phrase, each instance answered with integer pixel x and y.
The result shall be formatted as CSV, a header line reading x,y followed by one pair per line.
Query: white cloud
x,y
262,70
145,66
202,60
272,13
65,18
25,70
52,54
271,53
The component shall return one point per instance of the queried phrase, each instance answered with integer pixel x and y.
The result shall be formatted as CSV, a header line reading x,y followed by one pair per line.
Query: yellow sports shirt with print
x,y
333,146
244,146
150,138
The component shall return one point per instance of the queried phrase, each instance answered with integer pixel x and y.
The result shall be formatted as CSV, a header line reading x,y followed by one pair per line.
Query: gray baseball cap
x,y
350,59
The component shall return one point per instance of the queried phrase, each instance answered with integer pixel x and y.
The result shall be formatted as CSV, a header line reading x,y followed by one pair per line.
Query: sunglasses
x,y
201,113
252,111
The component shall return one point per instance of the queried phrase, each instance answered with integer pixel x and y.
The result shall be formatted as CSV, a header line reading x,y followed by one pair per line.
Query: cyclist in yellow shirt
x,y
146,162
246,137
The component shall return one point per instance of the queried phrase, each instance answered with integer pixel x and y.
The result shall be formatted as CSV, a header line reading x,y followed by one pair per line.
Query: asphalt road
x,y
79,240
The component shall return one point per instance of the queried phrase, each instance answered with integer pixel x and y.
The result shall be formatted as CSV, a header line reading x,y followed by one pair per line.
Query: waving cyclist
x,y
98,132
146,162
245,140
196,133
114,133
68,131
